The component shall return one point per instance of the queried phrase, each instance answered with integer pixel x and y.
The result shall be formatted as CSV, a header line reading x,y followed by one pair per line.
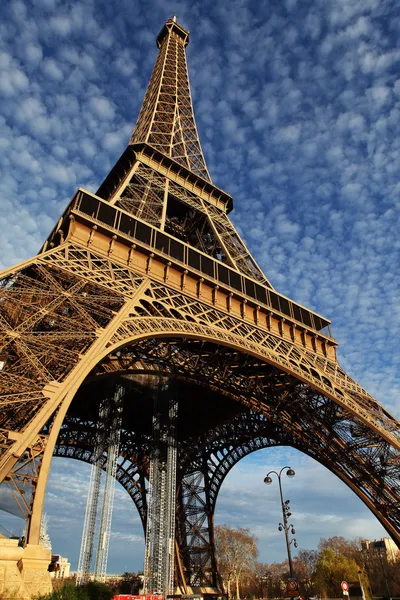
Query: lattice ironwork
x,y
113,438
160,526
77,439
204,461
107,300
321,425
166,119
144,195
216,236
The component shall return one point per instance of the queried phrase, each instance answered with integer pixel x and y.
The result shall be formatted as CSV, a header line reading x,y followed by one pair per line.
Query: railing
x,y
147,236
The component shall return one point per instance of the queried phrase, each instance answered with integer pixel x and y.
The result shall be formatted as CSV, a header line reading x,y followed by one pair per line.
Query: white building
x,y
385,548
61,567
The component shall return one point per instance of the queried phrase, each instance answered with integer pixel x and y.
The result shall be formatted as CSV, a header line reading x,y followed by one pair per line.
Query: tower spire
x,y
166,119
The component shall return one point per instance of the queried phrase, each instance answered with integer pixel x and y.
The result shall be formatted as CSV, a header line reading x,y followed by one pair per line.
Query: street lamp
x,y
285,513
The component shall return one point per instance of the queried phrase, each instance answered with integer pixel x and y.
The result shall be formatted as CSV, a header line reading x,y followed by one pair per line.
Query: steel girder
x,y
315,423
166,119
104,299
294,415
70,313
201,472
77,440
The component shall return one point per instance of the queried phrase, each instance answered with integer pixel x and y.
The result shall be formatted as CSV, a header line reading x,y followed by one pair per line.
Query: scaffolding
x,y
106,448
160,530
109,486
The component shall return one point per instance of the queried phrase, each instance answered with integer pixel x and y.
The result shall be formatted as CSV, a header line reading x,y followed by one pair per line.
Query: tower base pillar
x,y
23,571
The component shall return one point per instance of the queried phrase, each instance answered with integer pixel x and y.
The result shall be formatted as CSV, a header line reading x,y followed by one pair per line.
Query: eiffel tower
x,y
147,284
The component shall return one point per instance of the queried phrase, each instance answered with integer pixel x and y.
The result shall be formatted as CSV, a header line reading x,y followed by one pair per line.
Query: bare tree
x,y
348,548
304,567
237,552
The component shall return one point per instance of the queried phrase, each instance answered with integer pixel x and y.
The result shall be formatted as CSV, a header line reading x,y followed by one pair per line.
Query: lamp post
x,y
360,572
285,513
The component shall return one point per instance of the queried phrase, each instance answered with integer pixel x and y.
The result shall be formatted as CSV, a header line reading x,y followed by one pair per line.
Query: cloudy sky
x,y
297,106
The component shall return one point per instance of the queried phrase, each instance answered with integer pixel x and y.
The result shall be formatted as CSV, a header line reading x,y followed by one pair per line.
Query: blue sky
x,y
297,107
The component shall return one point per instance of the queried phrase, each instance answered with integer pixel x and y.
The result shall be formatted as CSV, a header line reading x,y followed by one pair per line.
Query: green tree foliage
x,y
276,578
332,568
392,576
91,591
318,572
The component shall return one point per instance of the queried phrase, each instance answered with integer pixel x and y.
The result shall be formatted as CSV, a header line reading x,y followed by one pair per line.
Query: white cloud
x,y
19,10
30,108
60,24
12,79
297,110
291,133
102,108
33,53
51,69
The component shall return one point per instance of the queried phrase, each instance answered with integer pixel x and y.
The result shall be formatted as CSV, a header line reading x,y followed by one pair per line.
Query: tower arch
x,y
205,460
313,422
149,276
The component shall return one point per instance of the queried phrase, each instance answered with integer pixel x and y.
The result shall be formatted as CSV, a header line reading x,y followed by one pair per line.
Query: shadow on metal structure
x,y
148,277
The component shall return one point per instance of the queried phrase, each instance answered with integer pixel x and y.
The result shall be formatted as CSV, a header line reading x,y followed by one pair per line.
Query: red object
x,y
138,597
345,586
292,585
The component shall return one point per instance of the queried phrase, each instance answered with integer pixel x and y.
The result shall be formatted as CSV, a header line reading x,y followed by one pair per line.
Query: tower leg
x,y
196,533
160,531
109,485
107,438
89,526
23,571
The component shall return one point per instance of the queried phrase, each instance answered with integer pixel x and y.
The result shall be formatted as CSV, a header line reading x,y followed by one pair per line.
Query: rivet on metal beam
x,y
243,308
314,341
281,328
131,253
111,245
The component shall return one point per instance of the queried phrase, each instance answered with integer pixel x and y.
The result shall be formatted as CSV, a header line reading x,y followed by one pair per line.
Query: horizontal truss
x,y
84,302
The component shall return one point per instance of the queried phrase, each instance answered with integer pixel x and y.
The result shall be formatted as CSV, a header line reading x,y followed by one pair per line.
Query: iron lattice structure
x,y
92,502
105,456
114,432
146,279
160,526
